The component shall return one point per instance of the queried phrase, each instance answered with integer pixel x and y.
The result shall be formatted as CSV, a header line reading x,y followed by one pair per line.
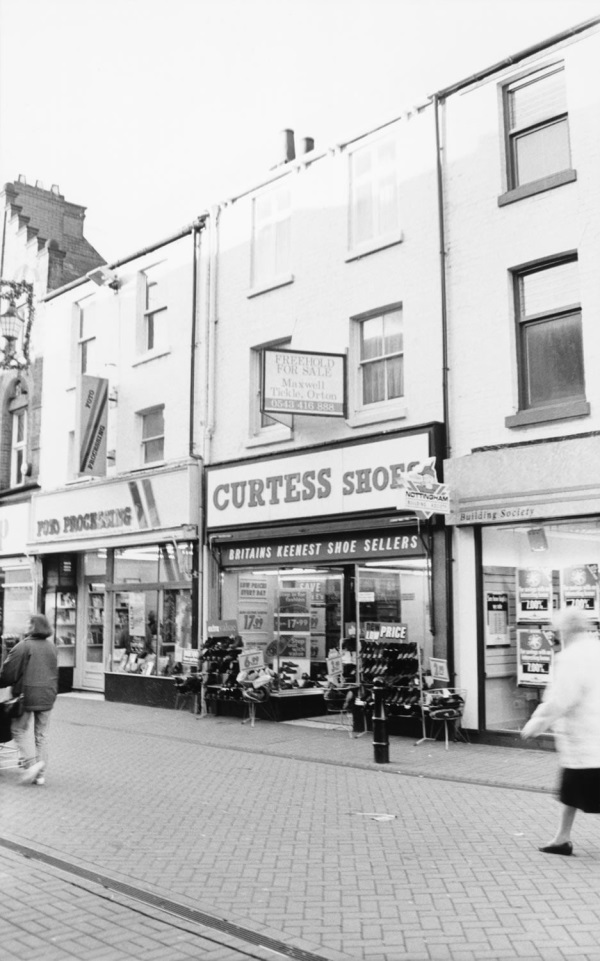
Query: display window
x,y
530,572
298,617
151,609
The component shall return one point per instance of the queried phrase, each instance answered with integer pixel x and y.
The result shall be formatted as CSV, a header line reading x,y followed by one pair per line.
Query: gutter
x,y
183,232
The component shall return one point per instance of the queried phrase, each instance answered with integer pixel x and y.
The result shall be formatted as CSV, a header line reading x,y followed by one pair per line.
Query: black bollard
x,y
381,743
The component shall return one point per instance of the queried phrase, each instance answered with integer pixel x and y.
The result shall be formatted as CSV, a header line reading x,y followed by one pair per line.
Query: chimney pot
x,y
308,144
289,152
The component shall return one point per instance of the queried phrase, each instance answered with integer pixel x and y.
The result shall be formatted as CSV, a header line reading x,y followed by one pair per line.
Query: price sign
x,y
251,660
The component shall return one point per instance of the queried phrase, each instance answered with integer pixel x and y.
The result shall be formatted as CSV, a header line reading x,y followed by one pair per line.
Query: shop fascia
x,y
124,510
369,476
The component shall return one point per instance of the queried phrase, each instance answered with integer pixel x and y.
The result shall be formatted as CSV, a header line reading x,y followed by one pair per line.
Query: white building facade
x,y
520,146
114,526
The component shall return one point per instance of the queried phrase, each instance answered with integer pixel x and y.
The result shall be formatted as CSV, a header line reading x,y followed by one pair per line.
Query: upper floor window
x,y
153,435
549,334
537,126
155,309
381,361
374,195
18,451
86,310
271,237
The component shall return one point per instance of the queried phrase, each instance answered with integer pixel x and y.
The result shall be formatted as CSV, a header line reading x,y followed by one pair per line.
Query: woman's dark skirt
x,y
580,788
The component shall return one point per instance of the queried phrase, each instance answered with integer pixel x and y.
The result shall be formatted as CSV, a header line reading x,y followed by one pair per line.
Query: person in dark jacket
x,y
34,661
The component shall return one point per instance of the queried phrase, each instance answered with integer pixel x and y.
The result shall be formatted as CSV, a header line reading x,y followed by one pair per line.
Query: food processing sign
x,y
296,382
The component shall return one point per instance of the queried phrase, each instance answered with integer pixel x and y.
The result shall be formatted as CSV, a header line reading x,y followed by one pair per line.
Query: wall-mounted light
x,y
16,318
104,277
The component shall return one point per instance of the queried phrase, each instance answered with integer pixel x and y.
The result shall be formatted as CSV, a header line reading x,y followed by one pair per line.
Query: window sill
x,y
363,417
382,243
537,187
540,415
275,436
271,285
151,355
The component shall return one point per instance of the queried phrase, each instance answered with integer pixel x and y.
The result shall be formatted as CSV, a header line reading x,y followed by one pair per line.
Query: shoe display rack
x,y
219,669
398,665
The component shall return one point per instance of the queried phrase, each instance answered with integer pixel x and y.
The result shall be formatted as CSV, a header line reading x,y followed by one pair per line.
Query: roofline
x,y
516,58
197,224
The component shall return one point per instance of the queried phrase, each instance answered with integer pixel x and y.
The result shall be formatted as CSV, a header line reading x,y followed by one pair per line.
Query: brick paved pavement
x,y
272,829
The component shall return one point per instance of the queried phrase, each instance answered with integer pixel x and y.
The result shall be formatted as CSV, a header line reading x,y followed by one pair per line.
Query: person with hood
x,y
32,668
571,706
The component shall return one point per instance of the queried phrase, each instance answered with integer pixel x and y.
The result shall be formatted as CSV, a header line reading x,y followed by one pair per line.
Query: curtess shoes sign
x,y
340,480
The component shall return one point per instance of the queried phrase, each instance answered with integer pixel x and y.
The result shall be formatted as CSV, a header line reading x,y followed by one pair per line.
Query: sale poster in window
x,y
496,618
534,657
253,605
579,589
534,594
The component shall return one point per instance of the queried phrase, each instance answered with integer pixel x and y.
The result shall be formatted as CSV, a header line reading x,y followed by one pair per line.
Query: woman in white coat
x,y
571,706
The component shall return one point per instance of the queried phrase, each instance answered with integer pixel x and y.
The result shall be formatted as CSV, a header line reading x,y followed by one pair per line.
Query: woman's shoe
x,y
565,848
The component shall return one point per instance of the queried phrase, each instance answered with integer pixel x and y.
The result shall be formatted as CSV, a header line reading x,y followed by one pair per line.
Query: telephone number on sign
x,y
300,405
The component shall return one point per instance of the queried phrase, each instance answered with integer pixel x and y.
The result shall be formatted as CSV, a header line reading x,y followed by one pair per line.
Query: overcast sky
x,y
148,111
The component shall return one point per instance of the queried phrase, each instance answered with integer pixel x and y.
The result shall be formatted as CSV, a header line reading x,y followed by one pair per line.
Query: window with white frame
x,y
380,359
86,335
271,236
537,126
549,342
262,424
155,309
18,447
374,194
153,434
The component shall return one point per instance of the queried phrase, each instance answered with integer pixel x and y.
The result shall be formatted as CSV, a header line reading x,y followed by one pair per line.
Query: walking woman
x,y
571,705
32,665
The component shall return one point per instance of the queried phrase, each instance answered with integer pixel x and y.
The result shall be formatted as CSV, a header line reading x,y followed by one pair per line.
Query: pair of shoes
x,y
30,774
566,848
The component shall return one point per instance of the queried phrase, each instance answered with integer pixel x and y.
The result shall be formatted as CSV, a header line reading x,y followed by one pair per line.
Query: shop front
x,y
316,554
17,587
527,548
119,581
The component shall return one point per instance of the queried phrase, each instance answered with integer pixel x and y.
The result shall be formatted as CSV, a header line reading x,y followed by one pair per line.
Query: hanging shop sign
x,y
93,422
376,631
534,594
579,589
322,549
155,501
303,383
534,656
336,480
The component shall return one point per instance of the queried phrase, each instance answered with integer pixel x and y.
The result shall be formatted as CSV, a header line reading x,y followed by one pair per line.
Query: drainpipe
x,y
448,533
197,584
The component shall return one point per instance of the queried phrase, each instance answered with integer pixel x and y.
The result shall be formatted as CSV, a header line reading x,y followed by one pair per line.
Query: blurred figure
x,y
32,667
571,705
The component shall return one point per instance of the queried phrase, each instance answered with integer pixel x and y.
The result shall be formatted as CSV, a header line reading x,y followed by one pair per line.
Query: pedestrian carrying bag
x,y
14,706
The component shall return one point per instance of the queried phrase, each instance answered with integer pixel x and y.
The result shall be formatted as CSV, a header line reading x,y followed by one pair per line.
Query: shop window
x,y
374,196
549,341
263,428
529,573
155,314
152,610
153,435
271,238
537,129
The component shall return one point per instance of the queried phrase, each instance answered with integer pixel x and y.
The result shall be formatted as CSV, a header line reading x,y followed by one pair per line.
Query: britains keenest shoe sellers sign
x,y
335,480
